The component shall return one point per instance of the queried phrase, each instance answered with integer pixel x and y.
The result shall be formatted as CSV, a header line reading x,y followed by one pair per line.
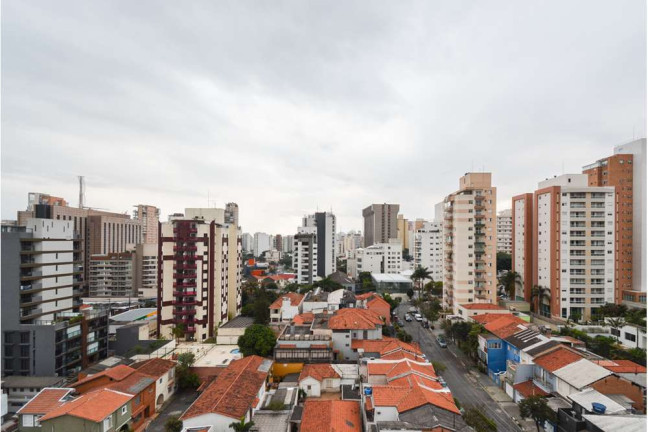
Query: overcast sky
x,y
287,107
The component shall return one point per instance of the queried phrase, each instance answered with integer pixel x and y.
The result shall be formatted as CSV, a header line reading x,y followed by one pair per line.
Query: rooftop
x,y
331,415
557,358
390,278
527,388
155,367
525,338
45,401
94,406
11,381
318,372
581,373
239,322
589,396
630,423
135,315
481,306
356,319
233,392
621,366
295,300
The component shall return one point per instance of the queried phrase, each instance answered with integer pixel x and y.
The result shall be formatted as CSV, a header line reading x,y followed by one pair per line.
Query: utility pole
x,y
81,192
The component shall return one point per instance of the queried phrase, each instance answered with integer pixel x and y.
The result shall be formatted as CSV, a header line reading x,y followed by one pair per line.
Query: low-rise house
x,y
471,309
235,393
21,389
316,301
577,376
104,410
376,303
547,364
616,423
344,280
349,324
302,345
163,372
331,416
317,378
286,307
229,332
341,298
387,348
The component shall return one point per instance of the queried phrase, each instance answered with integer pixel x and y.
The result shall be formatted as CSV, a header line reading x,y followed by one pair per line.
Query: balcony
x,y
191,329
184,266
184,276
184,312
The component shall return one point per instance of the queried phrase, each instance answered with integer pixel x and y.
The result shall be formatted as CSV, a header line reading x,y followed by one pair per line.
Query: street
x,y
463,385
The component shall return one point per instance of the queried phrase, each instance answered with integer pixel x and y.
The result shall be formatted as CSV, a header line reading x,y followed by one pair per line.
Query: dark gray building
x,y
380,223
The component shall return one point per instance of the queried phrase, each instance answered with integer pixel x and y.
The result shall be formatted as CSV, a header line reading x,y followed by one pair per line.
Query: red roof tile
x,y
405,398
116,373
527,389
304,318
295,300
506,325
621,366
388,348
45,401
133,384
233,391
557,358
318,372
486,318
94,406
155,367
331,415
481,306
354,319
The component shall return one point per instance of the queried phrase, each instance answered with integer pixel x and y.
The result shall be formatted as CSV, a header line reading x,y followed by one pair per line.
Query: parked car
x,y
418,317
408,318
442,342
442,382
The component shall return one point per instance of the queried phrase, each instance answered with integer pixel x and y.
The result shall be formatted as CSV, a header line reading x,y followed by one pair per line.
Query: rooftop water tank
x,y
598,408
368,391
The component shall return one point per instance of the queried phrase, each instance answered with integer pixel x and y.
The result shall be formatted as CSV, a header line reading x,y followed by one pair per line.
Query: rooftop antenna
x,y
81,192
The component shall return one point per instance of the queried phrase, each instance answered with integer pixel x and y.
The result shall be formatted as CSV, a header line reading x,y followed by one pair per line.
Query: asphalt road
x,y
457,375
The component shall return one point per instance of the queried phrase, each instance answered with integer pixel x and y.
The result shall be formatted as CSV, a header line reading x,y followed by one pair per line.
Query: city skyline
x,y
395,107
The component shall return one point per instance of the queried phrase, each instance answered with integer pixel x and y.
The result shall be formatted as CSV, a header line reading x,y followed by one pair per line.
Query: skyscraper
x,y
504,231
149,216
232,214
380,223
305,254
326,240
470,245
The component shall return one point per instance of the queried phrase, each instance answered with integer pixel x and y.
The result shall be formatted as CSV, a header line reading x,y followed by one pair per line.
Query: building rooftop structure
x,y
136,315
94,406
589,396
581,373
239,322
46,400
558,358
11,381
331,415
354,319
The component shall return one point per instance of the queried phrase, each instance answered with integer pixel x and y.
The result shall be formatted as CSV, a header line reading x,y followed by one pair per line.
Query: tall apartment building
x,y
348,242
403,231
112,275
261,243
505,231
287,244
522,253
41,290
325,225
232,214
146,270
199,284
149,216
380,223
571,231
35,198
248,242
625,170
470,242
377,258
305,254
278,243
428,249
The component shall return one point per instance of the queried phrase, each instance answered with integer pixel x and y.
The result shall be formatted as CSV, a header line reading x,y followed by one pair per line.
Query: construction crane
x,y
82,196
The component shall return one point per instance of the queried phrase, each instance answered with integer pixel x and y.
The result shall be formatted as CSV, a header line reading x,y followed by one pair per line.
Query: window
x,y
630,337
28,420
124,409
108,423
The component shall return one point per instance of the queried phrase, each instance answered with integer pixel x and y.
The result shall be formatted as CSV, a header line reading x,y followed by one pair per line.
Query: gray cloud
x,y
286,107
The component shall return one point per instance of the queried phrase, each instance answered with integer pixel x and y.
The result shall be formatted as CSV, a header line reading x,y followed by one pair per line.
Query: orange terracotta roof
x,y
295,300
233,391
405,398
506,325
621,366
155,367
45,401
304,318
331,415
318,372
364,296
482,306
116,373
354,319
557,358
317,346
133,384
388,348
527,389
287,345
404,367
94,406
486,318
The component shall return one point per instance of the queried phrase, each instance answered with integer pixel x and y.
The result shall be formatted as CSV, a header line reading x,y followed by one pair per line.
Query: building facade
x,y
305,255
232,214
522,244
149,216
146,270
112,275
199,274
470,242
261,243
403,232
380,223
428,249
378,258
505,231
325,225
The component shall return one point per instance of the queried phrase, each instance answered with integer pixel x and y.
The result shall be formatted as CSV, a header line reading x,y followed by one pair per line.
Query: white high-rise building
x,y
261,243
505,231
287,243
428,249
305,254
377,258
324,222
248,242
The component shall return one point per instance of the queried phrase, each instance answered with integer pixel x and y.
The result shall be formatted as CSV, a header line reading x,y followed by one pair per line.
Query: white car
x,y
418,317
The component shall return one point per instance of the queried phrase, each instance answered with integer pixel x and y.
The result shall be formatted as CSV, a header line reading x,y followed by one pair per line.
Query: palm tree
x,y
539,293
511,281
178,331
616,324
419,275
242,425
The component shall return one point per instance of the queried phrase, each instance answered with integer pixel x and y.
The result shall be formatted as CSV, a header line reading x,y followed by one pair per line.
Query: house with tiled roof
x,y
163,372
317,378
376,303
104,410
472,309
235,393
387,348
408,393
286,307
44,401
331,416
353,323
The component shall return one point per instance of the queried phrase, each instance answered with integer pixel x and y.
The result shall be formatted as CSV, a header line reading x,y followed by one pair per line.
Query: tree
x,y
393,302
612,310
410,293
475,417
503,261
186,378
257,339
286,260
536,408
636,316
616,324
327,284
178,331
173,424
511,281
539,293
419,275
438,367
241,425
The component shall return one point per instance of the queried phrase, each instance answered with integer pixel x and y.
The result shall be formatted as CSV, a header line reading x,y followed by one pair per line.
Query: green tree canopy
x,y
536,408
173,424
257,339
475,417
503,261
